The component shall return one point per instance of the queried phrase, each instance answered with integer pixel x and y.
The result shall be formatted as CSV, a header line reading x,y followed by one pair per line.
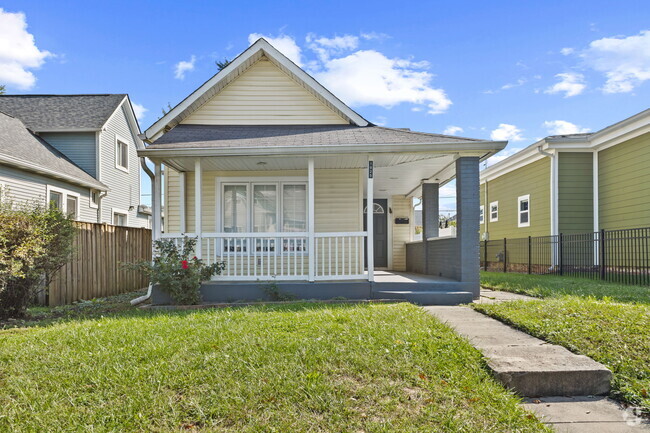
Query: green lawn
x,y
552,286
298,367
604,321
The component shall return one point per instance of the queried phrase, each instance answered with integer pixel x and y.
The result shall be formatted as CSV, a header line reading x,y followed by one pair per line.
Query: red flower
x,y
184,264
194,258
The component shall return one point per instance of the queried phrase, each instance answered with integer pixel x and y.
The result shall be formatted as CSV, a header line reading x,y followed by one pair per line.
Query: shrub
x,y
35,242
176,272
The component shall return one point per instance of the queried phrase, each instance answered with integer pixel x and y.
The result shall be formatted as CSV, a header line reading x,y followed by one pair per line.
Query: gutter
x,y
147,170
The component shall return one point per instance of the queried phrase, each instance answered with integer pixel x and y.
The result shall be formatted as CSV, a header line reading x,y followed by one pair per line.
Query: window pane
x,y
71,207
125,156
523,205
294,208
234,208
265,208
523,217
56,200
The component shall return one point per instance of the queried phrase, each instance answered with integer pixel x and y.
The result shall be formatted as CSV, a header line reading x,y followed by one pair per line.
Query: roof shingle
x,y
61,112
20,148
225,136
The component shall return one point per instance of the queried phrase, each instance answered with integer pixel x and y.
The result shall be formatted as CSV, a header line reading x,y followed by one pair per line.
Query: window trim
x,y
519,211
118,140
249,181
119,211
91,204
64,199
494,219
481,214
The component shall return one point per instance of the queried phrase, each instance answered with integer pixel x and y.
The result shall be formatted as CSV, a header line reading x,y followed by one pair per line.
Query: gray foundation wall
x,y
441,258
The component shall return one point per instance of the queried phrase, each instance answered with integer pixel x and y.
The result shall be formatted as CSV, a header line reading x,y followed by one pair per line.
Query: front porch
x,y
273,224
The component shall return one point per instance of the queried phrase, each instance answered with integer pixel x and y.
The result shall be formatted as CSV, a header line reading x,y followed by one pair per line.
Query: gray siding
x,y
24,186
124,187
79,147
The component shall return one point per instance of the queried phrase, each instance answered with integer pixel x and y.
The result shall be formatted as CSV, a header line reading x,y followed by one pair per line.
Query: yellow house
x,y
271,172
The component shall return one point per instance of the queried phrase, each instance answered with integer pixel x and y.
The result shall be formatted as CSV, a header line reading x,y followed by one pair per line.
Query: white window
x,y
66,201
494,211
523,210
120,217
264,207
94,199
55,199
121,154
72,206
481,214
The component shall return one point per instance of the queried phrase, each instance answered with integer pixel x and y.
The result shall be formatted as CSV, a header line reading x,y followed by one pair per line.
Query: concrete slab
x,y
529,366
489,296
586,415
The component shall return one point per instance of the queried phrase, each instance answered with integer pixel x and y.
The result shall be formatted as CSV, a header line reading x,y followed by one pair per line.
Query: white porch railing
x,y
282,256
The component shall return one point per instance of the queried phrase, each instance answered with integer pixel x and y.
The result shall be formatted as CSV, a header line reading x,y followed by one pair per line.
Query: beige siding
x,y
263,95
402,208
533,179
624,184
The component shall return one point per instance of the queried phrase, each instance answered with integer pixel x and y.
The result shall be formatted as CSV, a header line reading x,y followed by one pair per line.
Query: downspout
x,y
147,170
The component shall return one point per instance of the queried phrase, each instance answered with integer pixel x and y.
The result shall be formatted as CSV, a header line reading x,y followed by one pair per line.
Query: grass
x,y
295,367
605,321
544,286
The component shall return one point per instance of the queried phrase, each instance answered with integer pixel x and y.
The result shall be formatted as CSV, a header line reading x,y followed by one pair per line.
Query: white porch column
x,y
198,179
370,205
156,201
310,220
182,201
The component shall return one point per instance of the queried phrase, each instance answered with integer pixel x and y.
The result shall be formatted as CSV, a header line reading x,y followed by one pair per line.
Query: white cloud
x,y
567,51
571,84
452,130
326,47
18,51
508,132
380,121
368,77
184,66
283,43
625,61
139,110
505,153
562,127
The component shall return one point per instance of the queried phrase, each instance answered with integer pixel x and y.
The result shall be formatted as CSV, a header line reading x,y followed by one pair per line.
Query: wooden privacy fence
x,y
95,269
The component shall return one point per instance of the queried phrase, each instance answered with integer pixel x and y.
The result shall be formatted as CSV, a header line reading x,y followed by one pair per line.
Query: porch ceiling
x,y
395,173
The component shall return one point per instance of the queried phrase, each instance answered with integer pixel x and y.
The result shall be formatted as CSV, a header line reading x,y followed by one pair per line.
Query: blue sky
x,y
516,70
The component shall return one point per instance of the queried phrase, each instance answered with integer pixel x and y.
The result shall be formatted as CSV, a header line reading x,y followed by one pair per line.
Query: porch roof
x,y
228,136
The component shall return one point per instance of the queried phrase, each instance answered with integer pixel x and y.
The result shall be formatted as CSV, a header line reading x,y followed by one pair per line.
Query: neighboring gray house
x,y
76,150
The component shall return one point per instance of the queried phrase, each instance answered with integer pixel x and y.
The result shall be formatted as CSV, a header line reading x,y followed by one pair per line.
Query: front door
x,y
380,226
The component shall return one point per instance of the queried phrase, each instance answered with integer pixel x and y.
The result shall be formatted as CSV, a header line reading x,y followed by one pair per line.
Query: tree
x,y
2,89
221,64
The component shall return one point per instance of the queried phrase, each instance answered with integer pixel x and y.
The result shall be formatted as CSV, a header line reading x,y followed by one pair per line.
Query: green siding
x,y
533,179
575,200
624,184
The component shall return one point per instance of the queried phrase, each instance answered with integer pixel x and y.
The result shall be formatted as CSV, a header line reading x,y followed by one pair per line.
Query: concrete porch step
x,y
426,297
529,366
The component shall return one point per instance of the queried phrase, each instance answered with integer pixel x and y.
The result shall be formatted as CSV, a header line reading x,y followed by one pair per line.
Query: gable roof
x,y
226,136
42,113
20,148
261,48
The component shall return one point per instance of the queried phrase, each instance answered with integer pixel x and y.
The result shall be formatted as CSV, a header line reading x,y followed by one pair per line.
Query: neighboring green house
x,y
574,183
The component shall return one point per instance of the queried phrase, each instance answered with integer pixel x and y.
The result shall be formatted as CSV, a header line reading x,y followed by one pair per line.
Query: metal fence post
x,y
485,258
603,272
560,253
505,255
530,248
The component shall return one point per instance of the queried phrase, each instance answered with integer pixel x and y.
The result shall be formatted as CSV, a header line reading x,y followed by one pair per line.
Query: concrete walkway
x,y
542,371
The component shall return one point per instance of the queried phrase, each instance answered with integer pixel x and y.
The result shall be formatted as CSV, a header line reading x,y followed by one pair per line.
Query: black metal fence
x,y
613,255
